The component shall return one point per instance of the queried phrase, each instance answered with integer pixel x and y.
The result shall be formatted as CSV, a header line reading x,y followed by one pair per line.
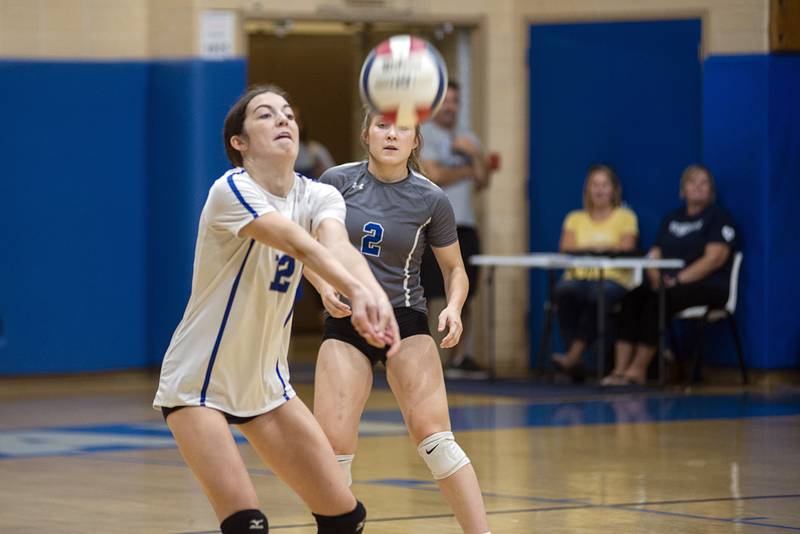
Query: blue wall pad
x,y
751,139
107,168
72,223
188,101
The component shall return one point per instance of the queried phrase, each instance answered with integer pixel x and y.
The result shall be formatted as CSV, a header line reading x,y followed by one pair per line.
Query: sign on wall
x,y
217,34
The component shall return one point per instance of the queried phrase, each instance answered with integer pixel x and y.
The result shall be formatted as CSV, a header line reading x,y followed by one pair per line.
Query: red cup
x,y
494,161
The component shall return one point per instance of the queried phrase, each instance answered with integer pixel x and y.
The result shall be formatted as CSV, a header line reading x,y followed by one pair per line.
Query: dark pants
x,y
577,307
638,322
431,276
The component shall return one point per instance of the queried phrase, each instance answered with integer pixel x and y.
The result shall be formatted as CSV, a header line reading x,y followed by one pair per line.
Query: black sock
x,y
245,522
349,523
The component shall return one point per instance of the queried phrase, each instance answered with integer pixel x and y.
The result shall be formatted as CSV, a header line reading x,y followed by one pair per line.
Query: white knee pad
x,y
345,461
442,454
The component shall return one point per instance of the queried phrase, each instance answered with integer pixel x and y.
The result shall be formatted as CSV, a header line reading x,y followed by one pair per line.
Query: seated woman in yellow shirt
x,y
602,226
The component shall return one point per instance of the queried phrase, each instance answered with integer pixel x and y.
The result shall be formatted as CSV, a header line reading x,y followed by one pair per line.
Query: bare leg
x,y
573,355
415,377
208,447
623,352
637,370
292,443
342,383
622,357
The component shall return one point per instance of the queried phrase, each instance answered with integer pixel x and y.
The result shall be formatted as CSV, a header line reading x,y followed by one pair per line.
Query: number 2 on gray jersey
x,y
370,242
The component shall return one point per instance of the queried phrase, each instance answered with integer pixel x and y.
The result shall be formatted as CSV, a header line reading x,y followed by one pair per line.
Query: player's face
x,y
601,190
448,113
390,144
697,189
270,127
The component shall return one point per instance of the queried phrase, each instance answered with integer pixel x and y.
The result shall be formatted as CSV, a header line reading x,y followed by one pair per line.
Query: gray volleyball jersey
x,y
391,224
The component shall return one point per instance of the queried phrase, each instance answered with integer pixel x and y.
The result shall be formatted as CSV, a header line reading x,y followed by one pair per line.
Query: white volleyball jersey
x,y
229,350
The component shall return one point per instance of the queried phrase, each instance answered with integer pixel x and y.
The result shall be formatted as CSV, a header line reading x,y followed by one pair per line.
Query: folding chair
x,y
706,314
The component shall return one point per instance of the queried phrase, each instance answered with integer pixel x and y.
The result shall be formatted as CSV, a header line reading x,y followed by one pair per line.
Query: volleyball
x,y
404,80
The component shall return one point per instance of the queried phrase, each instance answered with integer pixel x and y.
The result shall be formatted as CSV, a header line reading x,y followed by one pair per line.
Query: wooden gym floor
x,y
87,454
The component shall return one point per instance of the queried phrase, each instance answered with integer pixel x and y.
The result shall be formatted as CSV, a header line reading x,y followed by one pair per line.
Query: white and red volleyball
x,y
404,79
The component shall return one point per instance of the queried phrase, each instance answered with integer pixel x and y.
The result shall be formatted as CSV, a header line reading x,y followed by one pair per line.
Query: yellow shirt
x,y
605,234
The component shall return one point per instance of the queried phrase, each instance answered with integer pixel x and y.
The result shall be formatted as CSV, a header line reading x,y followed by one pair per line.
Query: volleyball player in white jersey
x,y
227,359
393,213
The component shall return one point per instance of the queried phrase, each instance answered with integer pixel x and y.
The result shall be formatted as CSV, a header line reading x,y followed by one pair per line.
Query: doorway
x,y
318,63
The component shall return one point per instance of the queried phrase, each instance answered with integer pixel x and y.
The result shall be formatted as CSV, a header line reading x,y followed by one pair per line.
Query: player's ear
x,y
239,143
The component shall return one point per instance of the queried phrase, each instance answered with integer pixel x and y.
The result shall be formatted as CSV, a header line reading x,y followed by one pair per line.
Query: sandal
x,y
613,379
620,381
577,371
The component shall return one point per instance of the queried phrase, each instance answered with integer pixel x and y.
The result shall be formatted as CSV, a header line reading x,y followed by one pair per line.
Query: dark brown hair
x,y
234,120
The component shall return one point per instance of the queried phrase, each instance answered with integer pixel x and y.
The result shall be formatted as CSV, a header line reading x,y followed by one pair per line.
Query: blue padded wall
x,y
107,166
188,102
73,286
751,138
783,285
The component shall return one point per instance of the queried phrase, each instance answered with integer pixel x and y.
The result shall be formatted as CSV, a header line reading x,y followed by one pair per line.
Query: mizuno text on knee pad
x,y
442,454
245,522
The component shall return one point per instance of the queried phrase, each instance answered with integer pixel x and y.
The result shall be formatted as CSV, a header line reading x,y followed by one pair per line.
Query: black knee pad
x,y
349,523
245,522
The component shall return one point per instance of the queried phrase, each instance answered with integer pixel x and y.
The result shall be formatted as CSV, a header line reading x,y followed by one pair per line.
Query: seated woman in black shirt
x,y
702,234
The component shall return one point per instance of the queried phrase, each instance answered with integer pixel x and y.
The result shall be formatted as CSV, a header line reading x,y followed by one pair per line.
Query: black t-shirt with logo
x,y
685,237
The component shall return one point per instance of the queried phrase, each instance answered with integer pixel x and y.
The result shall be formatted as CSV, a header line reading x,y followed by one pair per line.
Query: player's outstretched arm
x,y
456,287
333,236
279,232
330,297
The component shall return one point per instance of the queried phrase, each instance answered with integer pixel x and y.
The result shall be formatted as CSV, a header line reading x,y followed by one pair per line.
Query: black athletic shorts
x,y
410,321
232,419
431,276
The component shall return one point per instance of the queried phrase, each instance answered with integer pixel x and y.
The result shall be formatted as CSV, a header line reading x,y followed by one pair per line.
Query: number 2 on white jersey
x,y
283,274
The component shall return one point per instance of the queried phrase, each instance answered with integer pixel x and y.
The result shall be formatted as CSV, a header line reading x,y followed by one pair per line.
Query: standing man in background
x,y
452,157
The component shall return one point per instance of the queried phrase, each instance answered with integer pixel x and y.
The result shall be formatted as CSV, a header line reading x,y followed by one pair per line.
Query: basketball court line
x,y
628,507
89,439
557,504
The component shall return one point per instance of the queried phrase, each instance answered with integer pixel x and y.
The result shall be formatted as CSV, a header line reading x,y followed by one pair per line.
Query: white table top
x,y
568,261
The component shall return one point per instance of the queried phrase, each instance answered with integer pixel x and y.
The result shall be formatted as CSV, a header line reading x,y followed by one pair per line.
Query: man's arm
x,y
444,176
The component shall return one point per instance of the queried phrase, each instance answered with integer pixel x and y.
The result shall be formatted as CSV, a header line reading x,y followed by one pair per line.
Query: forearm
x,y
325,266
653,275
698,270
298,243
456,287
315,279
354,263
444,176
275,231
480,171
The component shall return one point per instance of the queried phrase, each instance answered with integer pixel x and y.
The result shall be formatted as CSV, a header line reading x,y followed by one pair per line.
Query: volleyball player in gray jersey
x,y
393,213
